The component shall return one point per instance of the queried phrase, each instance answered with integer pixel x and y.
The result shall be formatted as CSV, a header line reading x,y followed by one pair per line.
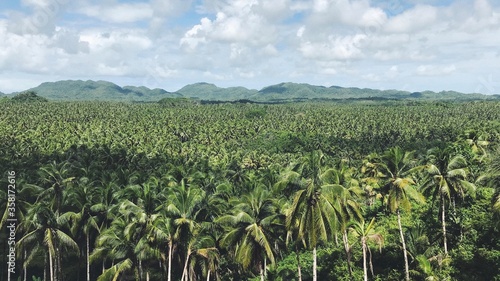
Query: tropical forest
x,y
180,189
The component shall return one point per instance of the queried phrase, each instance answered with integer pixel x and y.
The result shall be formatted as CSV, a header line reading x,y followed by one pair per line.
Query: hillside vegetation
x,y
28,96
98,90
75,90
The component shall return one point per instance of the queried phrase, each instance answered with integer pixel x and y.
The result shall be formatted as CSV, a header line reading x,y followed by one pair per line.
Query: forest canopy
x,y
177,190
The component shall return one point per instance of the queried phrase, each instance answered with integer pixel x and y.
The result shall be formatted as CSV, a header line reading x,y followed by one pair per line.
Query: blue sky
x,y
385,44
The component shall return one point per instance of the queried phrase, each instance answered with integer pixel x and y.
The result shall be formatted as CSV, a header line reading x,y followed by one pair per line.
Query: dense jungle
x,y
179,190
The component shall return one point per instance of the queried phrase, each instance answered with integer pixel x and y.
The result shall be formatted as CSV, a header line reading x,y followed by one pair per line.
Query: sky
x,y
382,44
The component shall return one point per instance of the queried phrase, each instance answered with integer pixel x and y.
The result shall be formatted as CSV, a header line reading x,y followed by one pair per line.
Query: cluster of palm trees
x,y
114,191
186,223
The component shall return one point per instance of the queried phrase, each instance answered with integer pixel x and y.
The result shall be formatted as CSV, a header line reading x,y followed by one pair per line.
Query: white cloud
x,y
336,48
366,43
433,70
351,12
238,21
42,3
119,13
371,77
170,8
393,72
413,20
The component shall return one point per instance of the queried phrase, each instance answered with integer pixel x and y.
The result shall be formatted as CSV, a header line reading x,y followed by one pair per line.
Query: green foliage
x,y
78,90
28,96
177,101
73,90
178,189
255,113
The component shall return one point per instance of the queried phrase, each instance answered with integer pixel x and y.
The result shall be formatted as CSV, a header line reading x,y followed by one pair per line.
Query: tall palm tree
x,y
341,191
84,221
162,231
366,233
131,228
252,227
492,177
115,245
209,254
43,231
310,214
312,217
447,180
395,170
292,236
478,142
183,208
55,178
204,255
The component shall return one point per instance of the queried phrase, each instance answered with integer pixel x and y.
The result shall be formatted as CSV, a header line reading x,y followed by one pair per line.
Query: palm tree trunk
x,y
208,275
370,261
51,267
265,266
58,264
88,258
315,273
185,271
25,267
407,270
365,269
262,273
345,238
169,274
299,269
140,270
45,268
443,220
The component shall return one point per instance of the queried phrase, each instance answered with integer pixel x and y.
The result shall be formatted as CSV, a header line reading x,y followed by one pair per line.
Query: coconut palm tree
x,y
447,180
311,214
366,233
162,231
183,207
341,191
209,255
43,230
252,228
55,179
491,176
204,256
478,142
395,170
113,244
131,228
84,221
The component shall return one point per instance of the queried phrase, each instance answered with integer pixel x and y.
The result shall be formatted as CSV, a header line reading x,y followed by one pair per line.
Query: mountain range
x,y
107,91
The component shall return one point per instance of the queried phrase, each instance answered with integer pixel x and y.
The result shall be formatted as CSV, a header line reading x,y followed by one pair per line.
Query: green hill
x,y
299,91
294,91
282,92
98,90
207,91
452,95
3,97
